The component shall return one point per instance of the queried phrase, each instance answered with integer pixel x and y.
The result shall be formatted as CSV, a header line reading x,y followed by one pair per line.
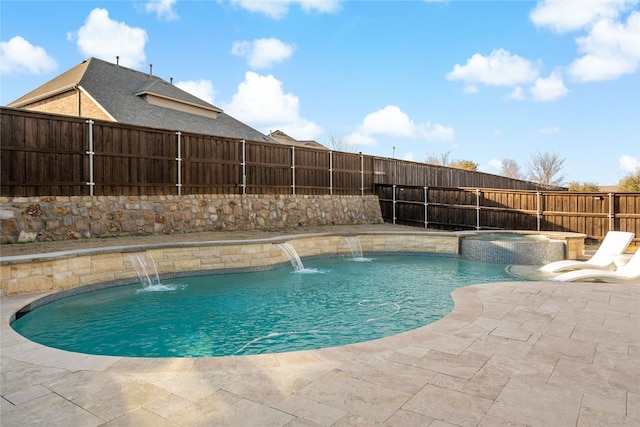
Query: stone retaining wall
x,y
27,219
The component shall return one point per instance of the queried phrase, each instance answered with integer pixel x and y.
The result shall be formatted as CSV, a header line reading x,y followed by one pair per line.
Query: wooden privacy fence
x,y
52,155
593,214
124,160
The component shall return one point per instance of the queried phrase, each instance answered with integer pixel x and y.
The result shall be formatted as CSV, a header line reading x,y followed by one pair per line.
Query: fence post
x,y
477,209
426,206
538,209
393,203
244,167
91,153
293,170
179,162
611,212
330,172
361,174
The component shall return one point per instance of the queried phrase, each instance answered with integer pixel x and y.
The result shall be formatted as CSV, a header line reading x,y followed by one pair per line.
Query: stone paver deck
x,y
517,354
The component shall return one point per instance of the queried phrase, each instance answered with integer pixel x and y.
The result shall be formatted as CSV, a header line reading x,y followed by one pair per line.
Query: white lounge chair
x,y
614,243
628,273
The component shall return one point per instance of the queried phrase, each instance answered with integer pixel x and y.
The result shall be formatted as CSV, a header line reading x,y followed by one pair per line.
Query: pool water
x,y
332,302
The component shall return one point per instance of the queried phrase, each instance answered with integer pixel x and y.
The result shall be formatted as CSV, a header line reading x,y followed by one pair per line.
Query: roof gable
x,y
65,81
285,139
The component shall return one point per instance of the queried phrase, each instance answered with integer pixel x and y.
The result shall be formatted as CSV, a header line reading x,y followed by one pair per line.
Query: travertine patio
x,y
519,353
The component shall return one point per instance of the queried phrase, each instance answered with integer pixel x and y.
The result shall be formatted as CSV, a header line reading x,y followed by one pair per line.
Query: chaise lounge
x,y
628,273
614,243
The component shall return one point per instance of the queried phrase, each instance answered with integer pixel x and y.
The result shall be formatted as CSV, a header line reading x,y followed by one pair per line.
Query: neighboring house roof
x,y
285,139
137,98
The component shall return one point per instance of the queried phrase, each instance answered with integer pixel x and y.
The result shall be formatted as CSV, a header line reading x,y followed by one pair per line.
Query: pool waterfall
x,y
293,256
355,247
146,268
147,272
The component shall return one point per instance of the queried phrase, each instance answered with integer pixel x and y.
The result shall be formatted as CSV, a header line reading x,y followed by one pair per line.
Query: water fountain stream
x,y
146,268
356,249
293,256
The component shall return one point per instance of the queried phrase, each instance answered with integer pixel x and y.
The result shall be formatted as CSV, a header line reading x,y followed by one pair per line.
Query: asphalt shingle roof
x,y
120,91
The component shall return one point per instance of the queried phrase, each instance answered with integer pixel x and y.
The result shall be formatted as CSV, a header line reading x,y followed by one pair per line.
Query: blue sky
x,y
481,81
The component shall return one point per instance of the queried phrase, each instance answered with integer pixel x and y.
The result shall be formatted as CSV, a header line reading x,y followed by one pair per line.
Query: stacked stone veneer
x,y
27,219
75,269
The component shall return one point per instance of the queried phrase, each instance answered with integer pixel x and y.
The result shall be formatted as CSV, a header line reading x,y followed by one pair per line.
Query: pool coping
x,y
49,256
56,255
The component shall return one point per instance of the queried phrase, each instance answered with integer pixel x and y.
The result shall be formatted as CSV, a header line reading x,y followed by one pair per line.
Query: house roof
x,y
285,139
138,98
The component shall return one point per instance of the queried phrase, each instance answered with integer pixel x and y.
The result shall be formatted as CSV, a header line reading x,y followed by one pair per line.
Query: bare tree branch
x,y
340,143
544,168
511,169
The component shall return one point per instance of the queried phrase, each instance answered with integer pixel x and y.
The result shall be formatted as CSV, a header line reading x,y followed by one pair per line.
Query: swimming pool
x,y
339,302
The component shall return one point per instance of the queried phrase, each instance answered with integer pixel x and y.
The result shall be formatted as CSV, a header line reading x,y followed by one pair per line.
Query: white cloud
x,y
500,68
163,9
628,163
203,89
390,121
358,139
611,49
393,122
492,166
18,56
320,6
517,94
277,9
408,157
104,38
435,132
261,102
263,53
562,16
300,128
549,89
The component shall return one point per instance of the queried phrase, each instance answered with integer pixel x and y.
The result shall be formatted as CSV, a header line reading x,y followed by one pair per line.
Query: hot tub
x,y
511,247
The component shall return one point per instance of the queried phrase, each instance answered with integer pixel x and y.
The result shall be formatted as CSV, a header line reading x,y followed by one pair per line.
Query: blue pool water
x,y
339,302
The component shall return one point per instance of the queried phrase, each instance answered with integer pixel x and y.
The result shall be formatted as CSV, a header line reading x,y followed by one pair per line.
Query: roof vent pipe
x,y
171,80
151,69
117,60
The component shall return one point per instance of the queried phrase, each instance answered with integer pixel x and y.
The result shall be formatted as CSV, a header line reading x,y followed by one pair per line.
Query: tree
x,y
445,159
584,187
544,169
464,164
340,143
630,182
510,169
442,160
